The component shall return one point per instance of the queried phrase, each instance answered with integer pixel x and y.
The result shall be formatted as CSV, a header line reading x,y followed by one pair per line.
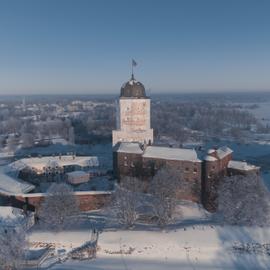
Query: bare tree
x,y
244,200
12,246
126,201
60,207
164,188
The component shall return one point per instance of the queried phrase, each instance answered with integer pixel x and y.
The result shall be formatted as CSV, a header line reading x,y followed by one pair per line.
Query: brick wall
x,y
127,164
87,200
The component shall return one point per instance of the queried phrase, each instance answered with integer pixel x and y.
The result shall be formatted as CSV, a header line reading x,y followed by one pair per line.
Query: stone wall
x,y
88,200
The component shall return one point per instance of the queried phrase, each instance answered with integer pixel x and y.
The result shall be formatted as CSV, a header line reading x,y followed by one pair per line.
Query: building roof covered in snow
x,y
241,166
77,173
223,151
210,158
12,185
78,177
171,153
39,163
8,212
211,151
129,147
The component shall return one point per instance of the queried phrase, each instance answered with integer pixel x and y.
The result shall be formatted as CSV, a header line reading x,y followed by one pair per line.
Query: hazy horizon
x,y
85,47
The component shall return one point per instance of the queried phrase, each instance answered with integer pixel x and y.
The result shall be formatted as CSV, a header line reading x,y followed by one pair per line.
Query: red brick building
x,y
134,155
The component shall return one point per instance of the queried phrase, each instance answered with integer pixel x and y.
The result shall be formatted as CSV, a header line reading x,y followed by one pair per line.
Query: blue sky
x,y
85,46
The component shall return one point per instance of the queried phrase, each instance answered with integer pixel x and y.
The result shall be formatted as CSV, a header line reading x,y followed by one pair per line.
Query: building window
x,y
186,169
125,164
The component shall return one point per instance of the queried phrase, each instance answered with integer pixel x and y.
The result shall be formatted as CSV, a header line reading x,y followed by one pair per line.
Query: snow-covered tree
x,y
60,207
244,200
126,199
164,188
12,246
27,139
71,136
11,143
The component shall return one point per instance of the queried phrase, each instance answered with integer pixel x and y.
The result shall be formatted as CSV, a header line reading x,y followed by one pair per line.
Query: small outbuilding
x,y
78,177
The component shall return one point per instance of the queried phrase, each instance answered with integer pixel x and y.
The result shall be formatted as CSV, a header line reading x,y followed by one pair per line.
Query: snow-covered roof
x,y
170,153
211,151
10,185
209,158
39,163
128,147
223,151
79,193
77,173
241,165
10,212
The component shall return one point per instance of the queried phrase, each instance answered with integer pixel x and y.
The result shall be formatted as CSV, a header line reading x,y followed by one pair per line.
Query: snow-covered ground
x,y
194,242
197,247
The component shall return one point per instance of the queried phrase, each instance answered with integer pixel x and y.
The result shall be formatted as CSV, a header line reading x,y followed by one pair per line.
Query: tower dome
x,y
133,89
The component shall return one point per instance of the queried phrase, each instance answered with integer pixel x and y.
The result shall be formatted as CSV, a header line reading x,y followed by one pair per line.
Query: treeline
x,y
183,120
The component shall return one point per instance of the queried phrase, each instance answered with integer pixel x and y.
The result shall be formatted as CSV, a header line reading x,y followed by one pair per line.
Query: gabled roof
x,y
223,152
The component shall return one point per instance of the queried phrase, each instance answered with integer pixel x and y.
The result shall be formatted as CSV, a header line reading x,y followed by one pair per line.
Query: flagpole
x,y
132,75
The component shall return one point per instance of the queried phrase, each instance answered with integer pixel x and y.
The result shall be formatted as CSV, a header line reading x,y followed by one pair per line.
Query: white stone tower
x,y
133,115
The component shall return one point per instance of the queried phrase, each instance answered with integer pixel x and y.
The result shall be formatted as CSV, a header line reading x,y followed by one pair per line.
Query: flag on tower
x,y
134,63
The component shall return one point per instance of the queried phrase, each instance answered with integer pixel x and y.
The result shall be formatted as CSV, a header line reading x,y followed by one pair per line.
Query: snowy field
x,y
194,242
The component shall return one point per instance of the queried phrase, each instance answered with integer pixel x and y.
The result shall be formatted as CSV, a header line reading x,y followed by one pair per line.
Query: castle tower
x,y
133,115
